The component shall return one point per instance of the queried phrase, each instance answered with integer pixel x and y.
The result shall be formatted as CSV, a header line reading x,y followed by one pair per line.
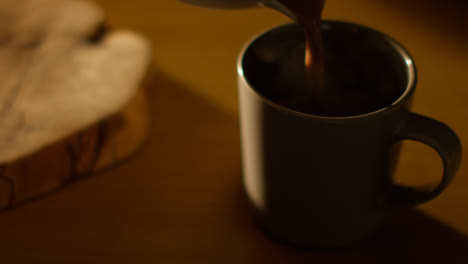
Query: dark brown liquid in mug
x,y
323,89
309,15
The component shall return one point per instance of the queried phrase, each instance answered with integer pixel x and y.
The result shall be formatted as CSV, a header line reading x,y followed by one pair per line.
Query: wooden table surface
x,y
179,200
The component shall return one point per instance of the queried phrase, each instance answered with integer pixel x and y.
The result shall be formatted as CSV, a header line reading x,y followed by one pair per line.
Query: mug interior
x,y
384,70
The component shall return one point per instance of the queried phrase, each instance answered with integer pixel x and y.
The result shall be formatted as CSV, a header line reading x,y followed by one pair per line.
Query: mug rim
x,y
409,62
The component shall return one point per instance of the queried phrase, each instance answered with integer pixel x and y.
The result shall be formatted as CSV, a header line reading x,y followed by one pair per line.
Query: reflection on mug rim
x,y
411,71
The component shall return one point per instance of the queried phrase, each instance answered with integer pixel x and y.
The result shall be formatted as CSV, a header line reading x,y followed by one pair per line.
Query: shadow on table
x,y
408,235
447,16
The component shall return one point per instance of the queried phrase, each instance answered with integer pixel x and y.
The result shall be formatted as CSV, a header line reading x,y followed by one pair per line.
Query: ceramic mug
x,y
322,182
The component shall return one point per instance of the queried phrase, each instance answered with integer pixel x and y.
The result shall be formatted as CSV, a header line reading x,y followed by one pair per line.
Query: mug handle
x,y
442,139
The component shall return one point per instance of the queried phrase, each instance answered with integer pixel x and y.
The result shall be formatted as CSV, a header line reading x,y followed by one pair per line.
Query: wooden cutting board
x,y
72,95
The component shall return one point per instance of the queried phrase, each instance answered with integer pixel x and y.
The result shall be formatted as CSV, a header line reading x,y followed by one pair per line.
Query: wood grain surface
x,y
180,199
71,97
